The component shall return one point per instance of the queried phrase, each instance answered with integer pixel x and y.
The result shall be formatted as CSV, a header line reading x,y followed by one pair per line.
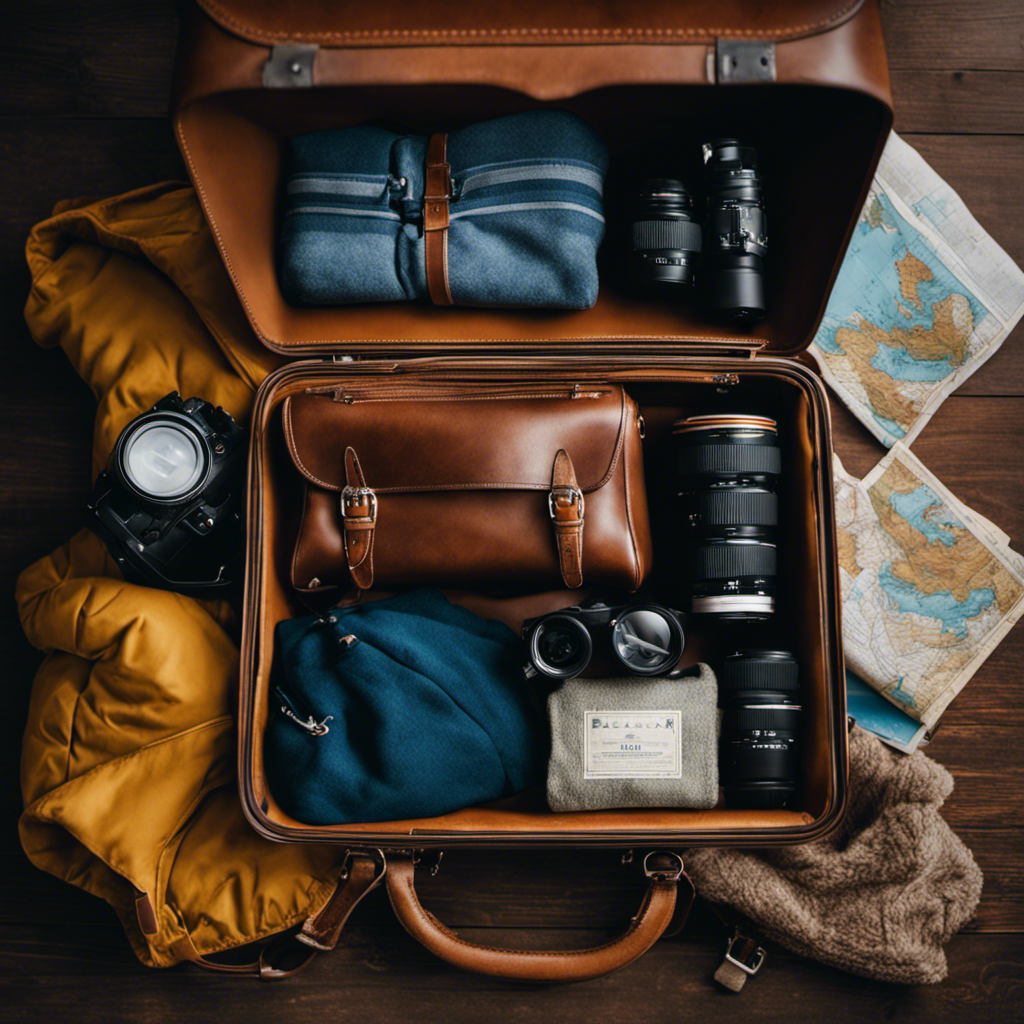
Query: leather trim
x,y
437,189
735,22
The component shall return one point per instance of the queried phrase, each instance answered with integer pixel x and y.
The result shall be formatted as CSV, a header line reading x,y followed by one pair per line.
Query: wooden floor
x,y
83,98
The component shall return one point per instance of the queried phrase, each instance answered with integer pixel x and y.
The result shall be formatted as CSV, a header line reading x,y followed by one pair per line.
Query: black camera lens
x,y
734,579
736,229
728,465
162,458
168,506
560,646
760,752
648,640
665,239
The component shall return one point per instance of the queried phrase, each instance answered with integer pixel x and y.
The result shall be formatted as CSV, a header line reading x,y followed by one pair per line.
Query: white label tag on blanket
x,y
632,745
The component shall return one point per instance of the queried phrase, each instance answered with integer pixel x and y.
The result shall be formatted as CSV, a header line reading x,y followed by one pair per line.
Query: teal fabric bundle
x,y
430,712
526,214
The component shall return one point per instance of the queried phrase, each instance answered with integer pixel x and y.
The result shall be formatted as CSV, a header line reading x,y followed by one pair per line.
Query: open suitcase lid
x,y
253,72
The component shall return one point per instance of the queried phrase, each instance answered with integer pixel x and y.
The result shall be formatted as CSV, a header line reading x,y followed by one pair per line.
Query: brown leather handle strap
x,y
358,521
645,929
437,190
565,504
287,954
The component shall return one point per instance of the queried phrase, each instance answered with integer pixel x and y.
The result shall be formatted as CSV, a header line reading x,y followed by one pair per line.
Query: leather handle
x,y
653,918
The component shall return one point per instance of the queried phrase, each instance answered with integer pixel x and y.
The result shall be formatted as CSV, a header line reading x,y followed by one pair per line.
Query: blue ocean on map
x,y
936,524
941,605
869,284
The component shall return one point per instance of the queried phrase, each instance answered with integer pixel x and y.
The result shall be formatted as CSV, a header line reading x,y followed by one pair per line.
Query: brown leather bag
x,y
477,488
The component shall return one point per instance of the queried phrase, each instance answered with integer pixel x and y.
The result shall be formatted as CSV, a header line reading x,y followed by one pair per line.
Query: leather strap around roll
x,y
358,520
565,505
653,917
436,193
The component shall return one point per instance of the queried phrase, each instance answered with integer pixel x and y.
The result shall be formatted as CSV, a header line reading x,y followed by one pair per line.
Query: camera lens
x,y
737,232
760,754
647,641
560,646
728,465
665,240
163,459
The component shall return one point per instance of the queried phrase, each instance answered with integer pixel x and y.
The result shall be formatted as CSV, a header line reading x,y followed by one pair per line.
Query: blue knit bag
x,y
406,707
525,214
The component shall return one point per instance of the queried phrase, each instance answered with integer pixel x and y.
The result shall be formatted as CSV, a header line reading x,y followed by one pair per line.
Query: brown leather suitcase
x,y
806,82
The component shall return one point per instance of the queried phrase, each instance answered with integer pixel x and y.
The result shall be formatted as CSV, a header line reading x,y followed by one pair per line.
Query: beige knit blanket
x,y
881,895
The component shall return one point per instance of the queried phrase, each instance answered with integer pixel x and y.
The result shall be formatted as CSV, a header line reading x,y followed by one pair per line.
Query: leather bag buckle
x,y
561,498
660,871
752,960
356,497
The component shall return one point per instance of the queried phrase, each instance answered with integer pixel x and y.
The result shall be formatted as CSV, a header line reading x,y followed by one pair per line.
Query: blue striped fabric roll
x,y
526,215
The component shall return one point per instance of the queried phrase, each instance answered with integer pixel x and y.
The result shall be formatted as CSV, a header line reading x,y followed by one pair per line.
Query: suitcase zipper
x,y
452,391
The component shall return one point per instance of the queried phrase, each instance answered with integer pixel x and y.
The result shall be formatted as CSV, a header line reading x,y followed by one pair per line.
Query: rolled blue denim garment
x,y
526,214
430,713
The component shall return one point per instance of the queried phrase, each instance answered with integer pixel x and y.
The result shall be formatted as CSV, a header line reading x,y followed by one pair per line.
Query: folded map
x,y
923,298
929,586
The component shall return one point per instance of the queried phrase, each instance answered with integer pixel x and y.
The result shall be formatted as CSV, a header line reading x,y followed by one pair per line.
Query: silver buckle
x,y
756,958
573,493
357,496
663,874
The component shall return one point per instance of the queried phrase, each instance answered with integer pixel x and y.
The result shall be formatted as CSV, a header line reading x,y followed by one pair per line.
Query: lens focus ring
x,y
776,719
666,234
730,459
754,671
735,507
732,559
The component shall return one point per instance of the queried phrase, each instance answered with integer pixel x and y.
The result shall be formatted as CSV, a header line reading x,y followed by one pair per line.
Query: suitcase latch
x,y
289,65
741,60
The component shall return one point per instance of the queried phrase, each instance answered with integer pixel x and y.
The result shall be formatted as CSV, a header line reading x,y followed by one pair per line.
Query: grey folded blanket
x,y
881,895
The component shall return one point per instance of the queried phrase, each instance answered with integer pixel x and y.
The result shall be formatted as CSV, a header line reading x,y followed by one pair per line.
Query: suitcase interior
x,y
818,145
806,619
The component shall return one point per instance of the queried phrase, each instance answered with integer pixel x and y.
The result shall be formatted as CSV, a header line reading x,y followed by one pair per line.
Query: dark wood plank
x,y
382,975
974,101
87,59
952,34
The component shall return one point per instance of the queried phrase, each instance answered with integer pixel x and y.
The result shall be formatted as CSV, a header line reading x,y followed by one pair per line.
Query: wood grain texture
x,y
83,94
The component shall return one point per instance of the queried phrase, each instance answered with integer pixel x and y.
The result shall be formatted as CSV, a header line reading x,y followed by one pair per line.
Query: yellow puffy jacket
x,y
128,764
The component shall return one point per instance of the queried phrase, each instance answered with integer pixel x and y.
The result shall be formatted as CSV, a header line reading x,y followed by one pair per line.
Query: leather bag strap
x,y
437,190
655,914
359,521
565,504
287,954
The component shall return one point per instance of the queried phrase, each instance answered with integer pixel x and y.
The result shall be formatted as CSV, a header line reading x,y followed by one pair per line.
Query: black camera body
x,y
168,504
645,639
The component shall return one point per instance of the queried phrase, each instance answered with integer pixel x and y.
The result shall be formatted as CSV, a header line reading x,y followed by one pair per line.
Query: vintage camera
x,y
760,750
167,506
665,239
736,232
728,465
645,639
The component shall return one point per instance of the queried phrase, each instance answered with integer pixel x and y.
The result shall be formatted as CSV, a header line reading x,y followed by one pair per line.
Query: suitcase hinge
x,y
741,60
290,65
